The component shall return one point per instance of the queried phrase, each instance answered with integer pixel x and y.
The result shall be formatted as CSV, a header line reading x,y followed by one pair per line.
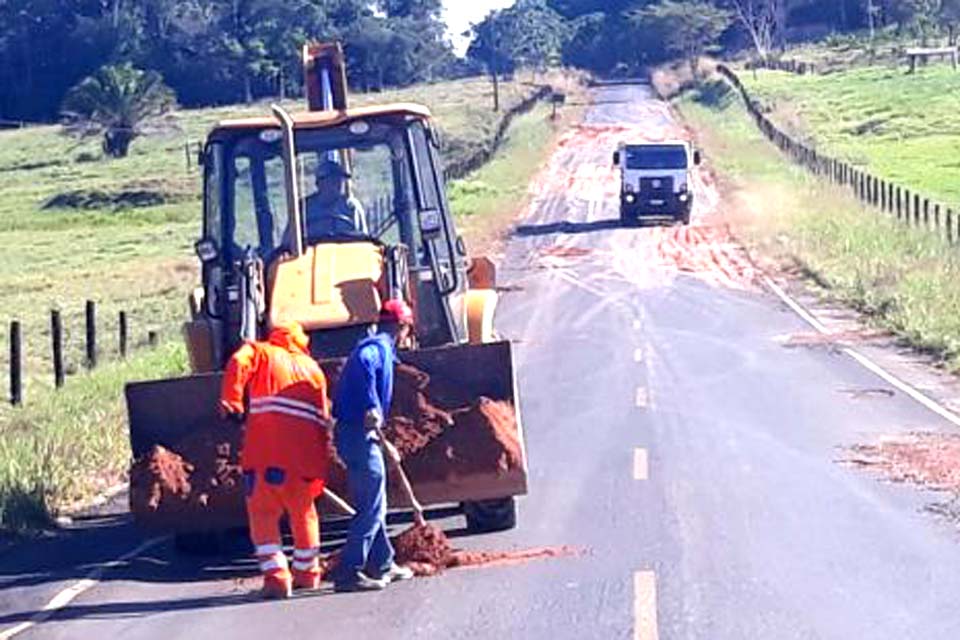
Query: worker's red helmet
x,y
396,311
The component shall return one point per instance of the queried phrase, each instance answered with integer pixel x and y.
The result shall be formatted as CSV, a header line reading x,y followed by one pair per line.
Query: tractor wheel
x,y
487,516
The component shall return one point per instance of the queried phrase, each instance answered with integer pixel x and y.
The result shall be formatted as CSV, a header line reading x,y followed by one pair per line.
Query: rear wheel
x,y
487,516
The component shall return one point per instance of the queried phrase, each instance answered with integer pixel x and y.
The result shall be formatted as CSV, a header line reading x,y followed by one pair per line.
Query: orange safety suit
x,y
285,449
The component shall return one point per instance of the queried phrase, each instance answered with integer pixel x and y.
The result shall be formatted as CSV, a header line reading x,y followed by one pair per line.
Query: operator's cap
x,y
396,311
329,168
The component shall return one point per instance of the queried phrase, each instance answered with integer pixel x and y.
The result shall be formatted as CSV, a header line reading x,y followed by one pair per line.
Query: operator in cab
x,y
330,212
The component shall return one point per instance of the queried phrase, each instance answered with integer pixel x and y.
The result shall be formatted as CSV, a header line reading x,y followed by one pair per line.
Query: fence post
x,y
56,337
916,210
91,325
883,195
152,338
936,219
122,339
16,365
890,196
899,204
926,213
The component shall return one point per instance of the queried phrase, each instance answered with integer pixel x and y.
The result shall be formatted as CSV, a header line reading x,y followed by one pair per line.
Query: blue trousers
x,y
367,546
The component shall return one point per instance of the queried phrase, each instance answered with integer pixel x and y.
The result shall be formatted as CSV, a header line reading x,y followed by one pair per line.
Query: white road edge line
x,y
641,464
66,596
863,360
638,355
645,606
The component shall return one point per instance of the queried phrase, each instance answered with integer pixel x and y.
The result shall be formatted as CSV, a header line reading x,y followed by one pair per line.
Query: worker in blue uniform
x,y
363,397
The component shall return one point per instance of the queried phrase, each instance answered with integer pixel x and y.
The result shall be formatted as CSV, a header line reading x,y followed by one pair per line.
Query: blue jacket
x,y
366,381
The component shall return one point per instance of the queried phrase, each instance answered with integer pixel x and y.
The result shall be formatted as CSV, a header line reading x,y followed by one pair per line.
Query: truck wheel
x,y
685,217
197,543
487,516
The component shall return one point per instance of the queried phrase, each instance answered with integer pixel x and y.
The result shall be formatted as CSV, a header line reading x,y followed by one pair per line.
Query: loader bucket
x,y
455,420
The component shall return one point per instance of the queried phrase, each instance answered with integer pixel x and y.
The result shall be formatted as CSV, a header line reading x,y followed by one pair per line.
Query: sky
x,y
458,15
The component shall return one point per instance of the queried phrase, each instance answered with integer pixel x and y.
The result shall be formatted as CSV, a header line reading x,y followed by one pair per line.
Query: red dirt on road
x,y
931,460
428,551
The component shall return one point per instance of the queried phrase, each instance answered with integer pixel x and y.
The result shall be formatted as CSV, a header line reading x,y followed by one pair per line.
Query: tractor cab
x,y
373,223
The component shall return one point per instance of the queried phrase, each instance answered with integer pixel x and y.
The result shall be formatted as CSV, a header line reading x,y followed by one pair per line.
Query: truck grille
x,y
656,185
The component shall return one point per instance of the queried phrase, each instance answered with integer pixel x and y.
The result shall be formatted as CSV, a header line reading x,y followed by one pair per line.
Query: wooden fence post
x,y
899,204
91,326
916,210
152,338
56,337
883,195
122,338
16,365
926,213
936,219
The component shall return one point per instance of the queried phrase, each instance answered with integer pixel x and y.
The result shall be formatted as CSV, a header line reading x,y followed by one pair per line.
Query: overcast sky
x,y
458,15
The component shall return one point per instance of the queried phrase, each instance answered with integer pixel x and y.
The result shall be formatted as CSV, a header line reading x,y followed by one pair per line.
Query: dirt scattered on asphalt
x,y
927,459
843,338
428,551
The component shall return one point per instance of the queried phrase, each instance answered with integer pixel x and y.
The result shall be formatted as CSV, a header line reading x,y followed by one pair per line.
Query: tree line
x,y
223,51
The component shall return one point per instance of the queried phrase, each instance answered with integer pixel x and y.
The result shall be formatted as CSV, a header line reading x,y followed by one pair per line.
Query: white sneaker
x,y
396,573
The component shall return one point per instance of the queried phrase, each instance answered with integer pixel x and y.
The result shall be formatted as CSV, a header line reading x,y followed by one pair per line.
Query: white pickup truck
x,y
655,180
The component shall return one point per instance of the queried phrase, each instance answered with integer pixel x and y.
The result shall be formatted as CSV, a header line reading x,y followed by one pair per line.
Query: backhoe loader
x,y
267,256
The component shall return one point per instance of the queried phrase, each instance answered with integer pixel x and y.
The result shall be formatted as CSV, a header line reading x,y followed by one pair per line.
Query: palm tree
x,y
119,102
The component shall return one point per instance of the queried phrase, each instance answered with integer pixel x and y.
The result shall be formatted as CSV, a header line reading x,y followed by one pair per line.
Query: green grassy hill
x,y
900,127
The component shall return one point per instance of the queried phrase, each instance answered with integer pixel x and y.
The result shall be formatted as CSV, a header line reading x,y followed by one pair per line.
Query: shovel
x,y
390,452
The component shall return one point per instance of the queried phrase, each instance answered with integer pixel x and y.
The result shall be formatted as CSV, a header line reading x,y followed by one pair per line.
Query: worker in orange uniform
x,y
285,451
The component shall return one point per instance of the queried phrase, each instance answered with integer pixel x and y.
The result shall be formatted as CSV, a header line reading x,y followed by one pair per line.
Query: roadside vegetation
x,y
904,280
63,446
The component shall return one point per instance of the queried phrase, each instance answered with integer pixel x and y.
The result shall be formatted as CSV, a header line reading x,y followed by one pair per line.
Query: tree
x,y
950,18
529,33
119,102
689,28
759,19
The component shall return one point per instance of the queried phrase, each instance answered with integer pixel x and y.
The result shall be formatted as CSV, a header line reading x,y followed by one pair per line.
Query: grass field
x,y
904,280
63,445
902,128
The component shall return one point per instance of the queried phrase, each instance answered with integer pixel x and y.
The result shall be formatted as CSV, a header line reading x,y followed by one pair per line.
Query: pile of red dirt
x,y
483,439
427,551
202,474
929,459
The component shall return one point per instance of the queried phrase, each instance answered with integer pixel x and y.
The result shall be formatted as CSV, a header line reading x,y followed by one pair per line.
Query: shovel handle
x,y
404,481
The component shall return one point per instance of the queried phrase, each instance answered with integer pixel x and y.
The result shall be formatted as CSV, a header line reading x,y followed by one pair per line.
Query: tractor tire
x,y
488,516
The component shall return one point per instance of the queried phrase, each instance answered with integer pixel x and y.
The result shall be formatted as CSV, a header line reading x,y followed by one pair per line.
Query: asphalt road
x,y
673,439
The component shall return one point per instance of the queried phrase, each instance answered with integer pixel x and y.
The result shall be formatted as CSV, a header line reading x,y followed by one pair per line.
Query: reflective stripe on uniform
x,y
306,565
268,549
306,554
274,563
286,406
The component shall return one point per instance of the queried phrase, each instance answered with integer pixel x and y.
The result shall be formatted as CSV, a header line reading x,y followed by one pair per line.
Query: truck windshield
x,y
662,156
351,186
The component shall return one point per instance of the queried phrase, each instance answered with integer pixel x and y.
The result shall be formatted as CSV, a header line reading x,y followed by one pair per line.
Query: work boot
x,y
276,588
396,573
359,581
309,580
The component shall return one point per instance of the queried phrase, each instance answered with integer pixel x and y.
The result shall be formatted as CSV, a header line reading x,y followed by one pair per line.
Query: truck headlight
x,y
683,196
630,198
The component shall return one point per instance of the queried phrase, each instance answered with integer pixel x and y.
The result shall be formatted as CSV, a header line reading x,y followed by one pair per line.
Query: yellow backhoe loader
x,y
274,247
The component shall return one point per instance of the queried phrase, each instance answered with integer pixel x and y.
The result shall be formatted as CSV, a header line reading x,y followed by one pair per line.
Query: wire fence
x,y
92,347
911,208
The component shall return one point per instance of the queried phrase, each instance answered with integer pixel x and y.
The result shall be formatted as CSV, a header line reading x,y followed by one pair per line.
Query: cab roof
x,y
322,119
